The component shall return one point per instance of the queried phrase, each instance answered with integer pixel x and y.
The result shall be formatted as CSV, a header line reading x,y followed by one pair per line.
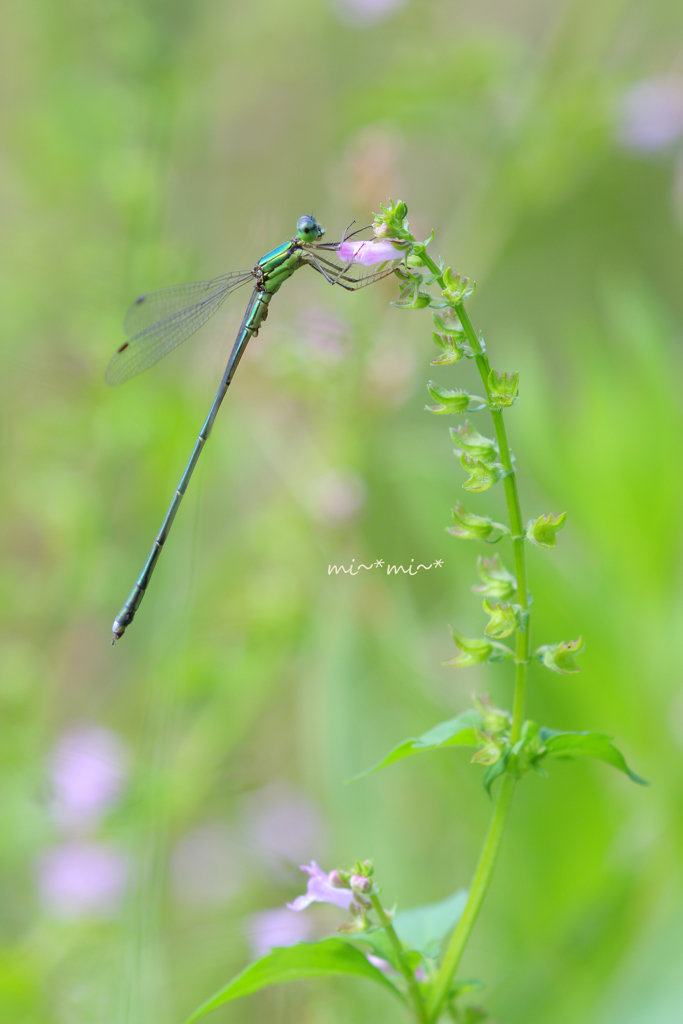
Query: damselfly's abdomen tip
x,y
117,631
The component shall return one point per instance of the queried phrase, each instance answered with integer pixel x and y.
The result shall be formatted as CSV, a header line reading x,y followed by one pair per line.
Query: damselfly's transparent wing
x,y
159,321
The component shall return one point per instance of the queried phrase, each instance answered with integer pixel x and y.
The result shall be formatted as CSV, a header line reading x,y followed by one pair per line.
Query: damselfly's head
x,y
308,229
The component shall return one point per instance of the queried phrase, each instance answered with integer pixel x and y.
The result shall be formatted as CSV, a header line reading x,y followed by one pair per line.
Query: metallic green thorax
x,y
271,271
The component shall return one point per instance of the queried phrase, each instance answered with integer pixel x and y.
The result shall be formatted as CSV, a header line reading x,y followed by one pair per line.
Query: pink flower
x,y
271,929
321,890
82,879
651,114
382,965
368,253
88,773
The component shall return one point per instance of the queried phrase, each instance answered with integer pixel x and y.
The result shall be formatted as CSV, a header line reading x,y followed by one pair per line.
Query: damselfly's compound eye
x,y
308,229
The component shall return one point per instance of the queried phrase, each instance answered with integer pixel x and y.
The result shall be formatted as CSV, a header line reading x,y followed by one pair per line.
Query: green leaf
x,y
561,657
503,388
494,771
424,928
452,401
458,731
543,531
593,744
305,960
472,527
497,581
474,651
468,439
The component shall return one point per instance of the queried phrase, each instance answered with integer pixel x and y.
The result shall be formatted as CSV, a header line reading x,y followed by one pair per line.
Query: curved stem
x,y
413,987
494,837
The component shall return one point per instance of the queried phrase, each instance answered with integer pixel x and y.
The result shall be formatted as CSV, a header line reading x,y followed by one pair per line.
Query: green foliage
x,y
458,731
593,744
425,928
293,963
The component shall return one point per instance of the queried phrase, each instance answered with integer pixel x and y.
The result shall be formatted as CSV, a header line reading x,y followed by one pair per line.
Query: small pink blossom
x,y
271,929
368,253
321,890
382,965
81,879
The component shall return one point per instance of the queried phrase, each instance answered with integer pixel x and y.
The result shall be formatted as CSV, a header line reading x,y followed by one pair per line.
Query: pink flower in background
x,y
206,866
651,114
279,927
369,253
337,496
82,879
321,890
283,826
88,771
360,13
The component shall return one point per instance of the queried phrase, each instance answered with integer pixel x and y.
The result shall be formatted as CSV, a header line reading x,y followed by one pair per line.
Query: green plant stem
x,y
489,854
480,884
408,974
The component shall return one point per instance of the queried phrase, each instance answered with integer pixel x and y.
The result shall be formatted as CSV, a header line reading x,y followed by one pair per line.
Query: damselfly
x,y
160,320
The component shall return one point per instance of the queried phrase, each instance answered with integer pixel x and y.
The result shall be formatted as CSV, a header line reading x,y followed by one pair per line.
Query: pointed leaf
x,y
305,960
458,731
494,771
593,744
424,928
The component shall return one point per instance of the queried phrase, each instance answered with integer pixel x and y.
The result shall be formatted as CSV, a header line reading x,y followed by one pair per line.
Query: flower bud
x,y
489,751
561,657
452,401
360,883
495,719
503,389
451,347
457,287
497,581
338,879
504,619
482,475
476,650
542,532
469,440
391,222
472,527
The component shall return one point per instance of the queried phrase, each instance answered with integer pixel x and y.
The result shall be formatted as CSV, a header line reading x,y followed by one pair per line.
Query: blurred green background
x,y
157,795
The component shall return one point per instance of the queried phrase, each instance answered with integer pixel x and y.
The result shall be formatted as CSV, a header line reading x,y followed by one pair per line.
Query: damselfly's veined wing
x,y
159,321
